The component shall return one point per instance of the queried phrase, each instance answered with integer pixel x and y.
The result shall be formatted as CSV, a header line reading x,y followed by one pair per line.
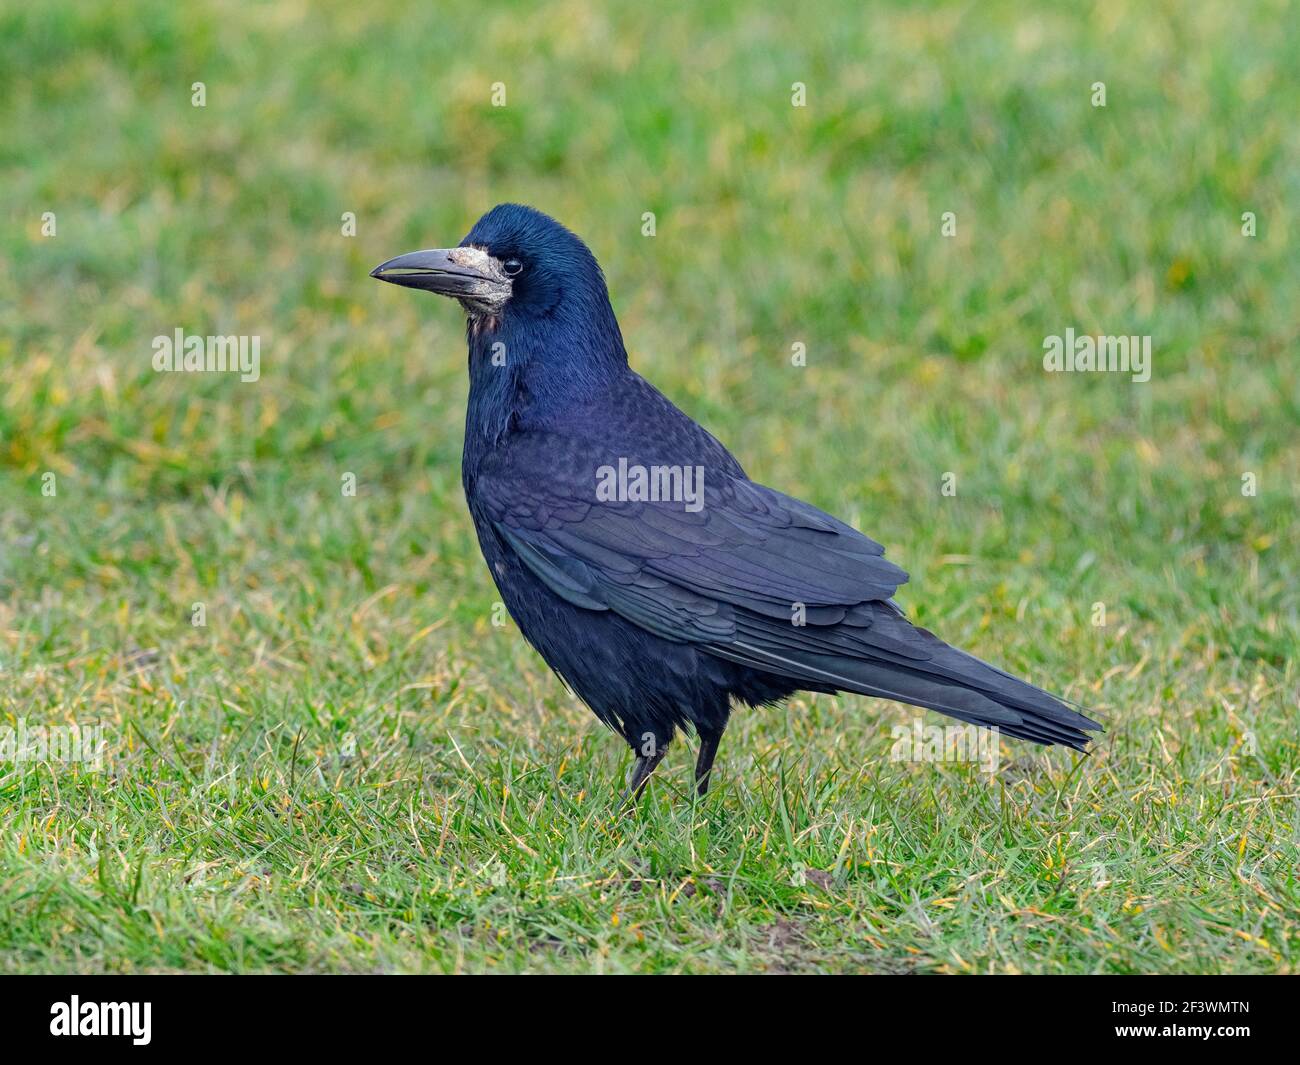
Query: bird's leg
x,y
645,765
704,762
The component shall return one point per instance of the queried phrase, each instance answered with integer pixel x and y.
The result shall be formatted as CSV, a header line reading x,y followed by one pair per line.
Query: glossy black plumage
x,y
660,614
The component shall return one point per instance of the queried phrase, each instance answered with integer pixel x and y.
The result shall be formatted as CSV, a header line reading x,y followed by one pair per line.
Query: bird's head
x,y
541,330
516,265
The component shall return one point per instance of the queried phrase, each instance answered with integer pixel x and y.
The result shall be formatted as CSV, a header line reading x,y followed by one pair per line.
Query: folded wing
x,y
767,581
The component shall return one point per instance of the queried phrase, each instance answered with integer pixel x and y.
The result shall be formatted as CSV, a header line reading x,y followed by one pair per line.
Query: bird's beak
x,y
469,274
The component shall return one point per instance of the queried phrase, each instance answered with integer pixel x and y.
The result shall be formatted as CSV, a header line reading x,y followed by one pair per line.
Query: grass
x,y
351,767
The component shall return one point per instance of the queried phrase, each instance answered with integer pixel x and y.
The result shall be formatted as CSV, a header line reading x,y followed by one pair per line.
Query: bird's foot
x,y
645,765
704,763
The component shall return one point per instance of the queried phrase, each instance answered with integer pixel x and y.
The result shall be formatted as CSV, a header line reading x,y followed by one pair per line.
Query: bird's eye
x,y
512,267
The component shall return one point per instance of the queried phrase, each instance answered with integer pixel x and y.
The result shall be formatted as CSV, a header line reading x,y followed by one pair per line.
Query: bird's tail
x,y
983,696
892,659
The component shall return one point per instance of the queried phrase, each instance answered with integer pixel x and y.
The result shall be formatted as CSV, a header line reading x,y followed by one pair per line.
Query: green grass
x,y
350,767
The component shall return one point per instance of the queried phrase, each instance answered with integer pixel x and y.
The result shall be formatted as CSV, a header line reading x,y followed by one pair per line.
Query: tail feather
x,y
930,674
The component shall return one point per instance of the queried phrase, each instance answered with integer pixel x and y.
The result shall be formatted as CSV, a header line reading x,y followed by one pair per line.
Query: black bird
x,y
636,556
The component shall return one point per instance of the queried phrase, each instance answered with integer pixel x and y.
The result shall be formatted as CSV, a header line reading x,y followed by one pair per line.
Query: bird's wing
x,y
761,579
684,571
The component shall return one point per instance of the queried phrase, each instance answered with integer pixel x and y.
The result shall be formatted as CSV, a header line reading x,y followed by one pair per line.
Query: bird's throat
x,y
526,374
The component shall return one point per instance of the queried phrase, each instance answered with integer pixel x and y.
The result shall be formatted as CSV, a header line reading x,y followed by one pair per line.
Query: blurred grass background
x,y
351,768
